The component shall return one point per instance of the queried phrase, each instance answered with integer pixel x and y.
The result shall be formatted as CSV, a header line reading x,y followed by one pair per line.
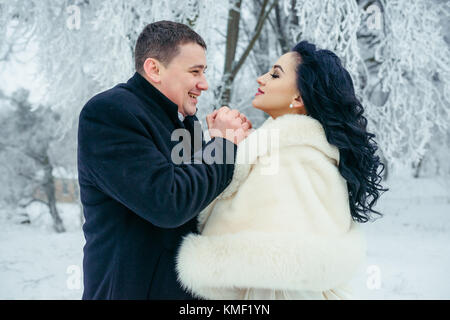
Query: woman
x,y
289,230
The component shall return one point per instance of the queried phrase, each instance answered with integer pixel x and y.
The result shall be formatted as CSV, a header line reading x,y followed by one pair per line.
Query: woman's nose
x,y
260,80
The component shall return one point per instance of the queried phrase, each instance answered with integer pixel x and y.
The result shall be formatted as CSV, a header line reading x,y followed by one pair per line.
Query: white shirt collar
x,y
181,116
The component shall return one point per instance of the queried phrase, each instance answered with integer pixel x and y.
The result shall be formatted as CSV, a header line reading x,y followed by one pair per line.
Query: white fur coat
x,y
282,229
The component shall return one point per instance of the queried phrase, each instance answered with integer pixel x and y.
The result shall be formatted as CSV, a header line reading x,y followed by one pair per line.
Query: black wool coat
x,y
138,203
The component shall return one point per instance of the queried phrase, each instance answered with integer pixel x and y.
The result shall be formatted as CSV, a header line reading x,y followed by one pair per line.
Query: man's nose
x,y
203,84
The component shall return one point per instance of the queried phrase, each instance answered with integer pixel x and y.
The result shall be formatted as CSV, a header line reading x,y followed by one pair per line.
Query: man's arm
x,y
122,160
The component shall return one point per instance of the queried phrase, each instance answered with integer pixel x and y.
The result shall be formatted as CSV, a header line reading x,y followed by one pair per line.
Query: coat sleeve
x,y
279,231
122,160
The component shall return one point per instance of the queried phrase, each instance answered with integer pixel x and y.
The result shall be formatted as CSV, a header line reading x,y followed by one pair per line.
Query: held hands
x,y
228,124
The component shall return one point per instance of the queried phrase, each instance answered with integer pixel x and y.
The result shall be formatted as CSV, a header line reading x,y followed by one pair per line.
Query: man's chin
x,y
191,110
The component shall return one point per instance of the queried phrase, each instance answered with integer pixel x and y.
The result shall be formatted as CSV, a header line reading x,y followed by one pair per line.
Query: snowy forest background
x,y
56,54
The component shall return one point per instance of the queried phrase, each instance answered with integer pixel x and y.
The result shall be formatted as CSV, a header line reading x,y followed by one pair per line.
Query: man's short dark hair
x,y
161,40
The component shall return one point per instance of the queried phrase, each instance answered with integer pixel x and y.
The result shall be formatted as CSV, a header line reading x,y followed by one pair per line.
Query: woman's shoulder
x,y
292,136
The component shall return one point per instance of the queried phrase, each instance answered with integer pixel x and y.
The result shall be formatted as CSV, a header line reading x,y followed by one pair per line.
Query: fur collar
x,y
284,131
305,242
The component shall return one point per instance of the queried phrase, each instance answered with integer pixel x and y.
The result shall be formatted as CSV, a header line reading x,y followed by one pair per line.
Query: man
x,y
138,204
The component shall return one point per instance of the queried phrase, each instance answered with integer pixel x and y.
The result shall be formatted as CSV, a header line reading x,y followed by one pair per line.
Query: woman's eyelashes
x,y
274,75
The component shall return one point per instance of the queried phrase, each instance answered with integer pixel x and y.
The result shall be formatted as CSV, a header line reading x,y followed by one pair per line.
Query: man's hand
x,y
228,124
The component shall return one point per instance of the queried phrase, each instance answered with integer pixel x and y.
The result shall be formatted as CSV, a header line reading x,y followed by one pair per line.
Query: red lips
x,y
259,92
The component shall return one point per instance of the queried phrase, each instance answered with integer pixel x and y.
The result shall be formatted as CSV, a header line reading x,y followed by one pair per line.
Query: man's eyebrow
x,y
201,66
279,67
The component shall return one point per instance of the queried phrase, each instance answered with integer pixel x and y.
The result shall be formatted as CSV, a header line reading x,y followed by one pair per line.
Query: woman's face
x,y
278,88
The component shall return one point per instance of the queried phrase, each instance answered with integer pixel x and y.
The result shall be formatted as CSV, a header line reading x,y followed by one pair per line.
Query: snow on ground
x,y
408,249
35,260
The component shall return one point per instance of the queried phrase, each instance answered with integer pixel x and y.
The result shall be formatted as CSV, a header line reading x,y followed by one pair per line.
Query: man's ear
x,y
152,69
298,103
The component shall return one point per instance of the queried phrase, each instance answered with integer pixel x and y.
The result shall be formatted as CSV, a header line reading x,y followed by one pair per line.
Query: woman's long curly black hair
x,y
329,97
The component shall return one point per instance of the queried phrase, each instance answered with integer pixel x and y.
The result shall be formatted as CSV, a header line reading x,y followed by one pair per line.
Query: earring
x,y
291,106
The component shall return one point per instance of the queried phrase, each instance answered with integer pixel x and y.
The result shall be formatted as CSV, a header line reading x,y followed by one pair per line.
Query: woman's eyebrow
x,y
279,67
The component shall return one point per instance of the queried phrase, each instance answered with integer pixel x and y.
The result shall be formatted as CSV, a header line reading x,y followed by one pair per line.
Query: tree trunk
x,y
223,92
282,24
280,30
417,168
234,16
385,174
49,189
261,50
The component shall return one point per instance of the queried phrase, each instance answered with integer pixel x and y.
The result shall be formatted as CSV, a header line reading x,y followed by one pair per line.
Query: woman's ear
x,y
152,69
298,103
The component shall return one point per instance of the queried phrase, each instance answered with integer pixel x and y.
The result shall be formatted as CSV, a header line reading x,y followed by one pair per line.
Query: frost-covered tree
x,y
397,56
233,61
84,47
412,82
395,51
25,143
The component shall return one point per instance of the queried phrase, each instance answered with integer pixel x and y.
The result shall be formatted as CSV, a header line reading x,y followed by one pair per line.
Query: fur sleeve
x,y
301,241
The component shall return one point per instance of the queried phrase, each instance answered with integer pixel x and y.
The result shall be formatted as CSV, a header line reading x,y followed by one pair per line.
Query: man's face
x,y
183,79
